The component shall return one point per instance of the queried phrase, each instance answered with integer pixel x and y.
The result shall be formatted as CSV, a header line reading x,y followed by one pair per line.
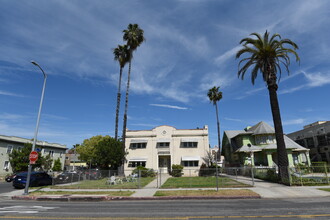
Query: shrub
x,y
176,170
145,172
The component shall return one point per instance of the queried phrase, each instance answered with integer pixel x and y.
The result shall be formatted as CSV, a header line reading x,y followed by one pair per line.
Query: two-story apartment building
x,y
163,146
8,143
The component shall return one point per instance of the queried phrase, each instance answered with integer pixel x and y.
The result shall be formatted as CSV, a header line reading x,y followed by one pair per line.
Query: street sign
x,y
33,157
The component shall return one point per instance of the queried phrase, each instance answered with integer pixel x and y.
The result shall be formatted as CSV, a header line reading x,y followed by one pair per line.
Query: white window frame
x,y
11,147
6,165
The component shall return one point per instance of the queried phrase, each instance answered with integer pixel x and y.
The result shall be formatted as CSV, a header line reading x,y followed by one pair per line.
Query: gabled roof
x,y
261,128
289,144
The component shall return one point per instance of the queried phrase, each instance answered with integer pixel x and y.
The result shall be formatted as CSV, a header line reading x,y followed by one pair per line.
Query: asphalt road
x,y
6,187
243,209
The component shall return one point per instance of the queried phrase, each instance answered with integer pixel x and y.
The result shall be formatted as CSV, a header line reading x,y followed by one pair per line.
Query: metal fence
x,y
222,177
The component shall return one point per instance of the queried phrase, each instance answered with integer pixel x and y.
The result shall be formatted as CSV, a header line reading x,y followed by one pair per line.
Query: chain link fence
x,y
222,177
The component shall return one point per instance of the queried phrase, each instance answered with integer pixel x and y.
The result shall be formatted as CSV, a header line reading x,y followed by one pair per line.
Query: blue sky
x,y
190,47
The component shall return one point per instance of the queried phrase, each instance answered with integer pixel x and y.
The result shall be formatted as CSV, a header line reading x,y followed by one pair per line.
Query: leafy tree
x,y
57,165
215,96
46,162
266,55
19,159
134,37
104,152
87,148
109,153
121,54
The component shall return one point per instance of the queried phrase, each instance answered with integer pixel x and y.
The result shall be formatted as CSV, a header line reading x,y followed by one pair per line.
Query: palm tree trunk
x,y
282,154
218,126
121,169
118,103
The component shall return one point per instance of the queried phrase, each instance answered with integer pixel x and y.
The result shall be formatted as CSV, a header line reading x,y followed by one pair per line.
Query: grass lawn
x,y
325,189
227,192
202,182
108,193
101,184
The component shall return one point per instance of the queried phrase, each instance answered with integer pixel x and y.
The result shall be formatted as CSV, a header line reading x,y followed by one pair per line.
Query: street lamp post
x,y
252,163
26,190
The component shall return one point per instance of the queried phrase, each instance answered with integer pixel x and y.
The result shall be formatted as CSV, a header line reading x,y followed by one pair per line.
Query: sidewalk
x,y
274,190
266,190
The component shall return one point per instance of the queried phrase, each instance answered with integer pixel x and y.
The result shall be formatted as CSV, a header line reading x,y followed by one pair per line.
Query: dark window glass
x,y
301,142
321,140
138,145
190,163
310,142
189,144
137,163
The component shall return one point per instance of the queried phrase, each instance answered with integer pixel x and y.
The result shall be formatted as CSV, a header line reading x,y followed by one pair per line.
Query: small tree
x,y
57,165
46,162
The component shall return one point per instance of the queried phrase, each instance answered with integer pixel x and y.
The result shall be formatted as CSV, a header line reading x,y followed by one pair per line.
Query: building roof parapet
x,y
25,140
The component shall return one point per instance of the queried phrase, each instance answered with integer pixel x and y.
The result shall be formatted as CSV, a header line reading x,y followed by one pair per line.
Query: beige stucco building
x,y
164,146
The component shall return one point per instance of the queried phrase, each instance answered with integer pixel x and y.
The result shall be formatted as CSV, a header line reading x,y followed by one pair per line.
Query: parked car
x,y
10,178
93,174
36,179
68,177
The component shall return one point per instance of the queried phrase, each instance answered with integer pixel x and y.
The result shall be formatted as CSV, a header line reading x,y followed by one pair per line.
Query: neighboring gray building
x,y
316,137
8,143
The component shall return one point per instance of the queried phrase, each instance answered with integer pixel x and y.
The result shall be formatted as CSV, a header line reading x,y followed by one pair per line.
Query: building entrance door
x,y
164,163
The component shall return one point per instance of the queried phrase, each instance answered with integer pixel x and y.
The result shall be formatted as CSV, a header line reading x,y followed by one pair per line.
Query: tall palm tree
x,y
266,55
215,96
133,36
121,54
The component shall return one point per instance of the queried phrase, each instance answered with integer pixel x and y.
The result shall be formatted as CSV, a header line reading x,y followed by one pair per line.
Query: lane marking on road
x,y
168,218
25,209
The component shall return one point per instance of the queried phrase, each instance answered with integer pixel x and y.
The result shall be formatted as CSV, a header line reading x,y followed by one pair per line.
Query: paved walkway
x,y
150,189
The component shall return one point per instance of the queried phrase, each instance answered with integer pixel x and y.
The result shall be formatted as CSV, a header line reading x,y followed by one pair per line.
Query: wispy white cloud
x,y
7,116
297,121
169,106
233,119
10,94
226,56
317,79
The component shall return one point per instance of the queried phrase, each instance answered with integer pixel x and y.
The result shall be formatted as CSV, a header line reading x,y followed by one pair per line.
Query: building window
x,y
137,164
51,153
321,140
265,139
9,149
310,142
138,145
301,142
190,163
18,148
189,144
61,154
163,144
6,165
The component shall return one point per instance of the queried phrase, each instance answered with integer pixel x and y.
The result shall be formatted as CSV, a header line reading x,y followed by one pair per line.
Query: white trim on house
x,y
189,139
190,158
136,141
163,140
135,159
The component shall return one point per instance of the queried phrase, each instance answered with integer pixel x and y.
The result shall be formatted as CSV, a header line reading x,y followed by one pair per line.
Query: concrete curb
x,y
112,198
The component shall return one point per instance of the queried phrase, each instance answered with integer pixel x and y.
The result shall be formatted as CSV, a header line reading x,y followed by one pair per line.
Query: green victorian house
x,y
257,145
